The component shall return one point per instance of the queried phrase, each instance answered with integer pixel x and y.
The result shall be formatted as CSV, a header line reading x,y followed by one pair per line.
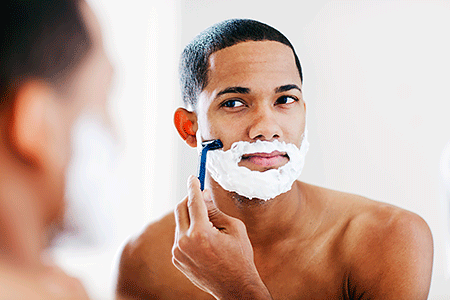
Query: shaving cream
x,y
224,169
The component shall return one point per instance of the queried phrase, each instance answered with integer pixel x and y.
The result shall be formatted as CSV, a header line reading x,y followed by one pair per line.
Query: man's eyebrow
x,y
287,87
234,90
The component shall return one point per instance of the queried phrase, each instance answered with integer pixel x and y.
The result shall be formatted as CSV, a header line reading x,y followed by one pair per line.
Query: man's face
x,y
253,93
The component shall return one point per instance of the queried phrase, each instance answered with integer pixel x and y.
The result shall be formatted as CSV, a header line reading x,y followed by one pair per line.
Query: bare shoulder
x,y
389,250
145,260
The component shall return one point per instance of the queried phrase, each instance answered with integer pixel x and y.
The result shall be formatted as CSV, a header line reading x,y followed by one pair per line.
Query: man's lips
x,y
274,159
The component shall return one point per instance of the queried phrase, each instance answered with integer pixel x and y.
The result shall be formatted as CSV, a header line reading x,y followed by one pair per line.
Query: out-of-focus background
x,y
376,84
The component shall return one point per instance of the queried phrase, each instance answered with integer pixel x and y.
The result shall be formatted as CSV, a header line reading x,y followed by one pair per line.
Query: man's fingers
x,y
216,217
198,213
202,209
182,216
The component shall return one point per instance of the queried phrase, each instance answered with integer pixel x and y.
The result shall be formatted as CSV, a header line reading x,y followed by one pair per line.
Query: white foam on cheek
x,y
224,169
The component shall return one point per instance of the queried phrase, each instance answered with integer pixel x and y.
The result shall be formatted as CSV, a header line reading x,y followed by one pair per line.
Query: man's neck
x,y
269,222
22,236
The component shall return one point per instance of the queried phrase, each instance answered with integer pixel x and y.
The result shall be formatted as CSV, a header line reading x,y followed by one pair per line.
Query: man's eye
x,y
232,103
286,100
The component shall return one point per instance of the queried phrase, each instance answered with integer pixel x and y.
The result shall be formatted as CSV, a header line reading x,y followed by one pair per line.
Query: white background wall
x,y
376,87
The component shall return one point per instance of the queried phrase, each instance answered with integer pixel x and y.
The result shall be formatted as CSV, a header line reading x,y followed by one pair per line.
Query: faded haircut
x,y
194,63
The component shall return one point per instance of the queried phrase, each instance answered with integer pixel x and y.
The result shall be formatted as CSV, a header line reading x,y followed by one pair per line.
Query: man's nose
x,y
264,125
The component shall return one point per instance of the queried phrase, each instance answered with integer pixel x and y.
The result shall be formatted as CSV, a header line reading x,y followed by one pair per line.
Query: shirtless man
x,y
53,69
241,81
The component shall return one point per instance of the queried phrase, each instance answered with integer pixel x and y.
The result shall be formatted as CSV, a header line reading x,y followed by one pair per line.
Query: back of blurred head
x,y
52,69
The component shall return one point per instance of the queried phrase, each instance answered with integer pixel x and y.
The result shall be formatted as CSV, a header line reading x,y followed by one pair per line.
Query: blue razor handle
x,y
206,146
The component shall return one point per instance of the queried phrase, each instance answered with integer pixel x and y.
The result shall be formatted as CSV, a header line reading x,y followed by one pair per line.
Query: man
x,y
53,69
242,83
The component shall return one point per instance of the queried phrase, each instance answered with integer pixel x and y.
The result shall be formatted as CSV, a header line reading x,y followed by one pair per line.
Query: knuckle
x,y
183,243
213,211
199,237
196,240
238,224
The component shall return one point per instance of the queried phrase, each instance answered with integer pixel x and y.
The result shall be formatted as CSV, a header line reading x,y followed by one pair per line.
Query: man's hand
x,y
213,250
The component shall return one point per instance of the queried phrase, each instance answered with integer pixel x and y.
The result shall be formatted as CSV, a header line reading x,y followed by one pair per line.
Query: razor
x,y
206,146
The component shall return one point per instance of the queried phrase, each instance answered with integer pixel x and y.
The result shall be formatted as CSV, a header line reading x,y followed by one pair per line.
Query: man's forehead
x,y
252,52
249,64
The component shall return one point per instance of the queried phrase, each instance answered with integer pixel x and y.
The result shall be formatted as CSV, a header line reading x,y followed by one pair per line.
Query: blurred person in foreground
x,y
257,232
54,71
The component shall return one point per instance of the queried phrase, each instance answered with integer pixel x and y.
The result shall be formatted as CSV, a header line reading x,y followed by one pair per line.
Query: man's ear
x,y
187,126
27,130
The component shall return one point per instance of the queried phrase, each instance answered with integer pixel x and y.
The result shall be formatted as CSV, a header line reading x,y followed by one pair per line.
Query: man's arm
x,y
145,266
213,249
133,277
394,258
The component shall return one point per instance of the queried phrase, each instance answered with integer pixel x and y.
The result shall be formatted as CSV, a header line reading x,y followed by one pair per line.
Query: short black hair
x,y
45,39
194,62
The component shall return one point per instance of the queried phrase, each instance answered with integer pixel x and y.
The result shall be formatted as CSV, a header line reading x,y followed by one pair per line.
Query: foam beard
x,y
224,169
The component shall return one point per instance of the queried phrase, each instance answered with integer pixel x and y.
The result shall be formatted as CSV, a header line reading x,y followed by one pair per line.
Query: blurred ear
x,y
29,133
186,124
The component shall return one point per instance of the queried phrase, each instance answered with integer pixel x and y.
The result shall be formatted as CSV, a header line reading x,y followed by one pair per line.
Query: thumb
x,y
216,217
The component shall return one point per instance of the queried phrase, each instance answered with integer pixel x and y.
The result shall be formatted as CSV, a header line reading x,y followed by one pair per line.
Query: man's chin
x,y
242,201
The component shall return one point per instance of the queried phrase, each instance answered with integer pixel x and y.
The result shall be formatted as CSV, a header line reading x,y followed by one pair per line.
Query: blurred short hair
x,y
43,39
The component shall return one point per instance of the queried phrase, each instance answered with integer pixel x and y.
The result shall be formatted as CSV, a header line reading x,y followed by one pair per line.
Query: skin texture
x,y
308,243
35,150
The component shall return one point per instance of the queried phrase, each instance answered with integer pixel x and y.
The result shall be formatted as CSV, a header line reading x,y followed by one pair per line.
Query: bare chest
x,y
289,277
317,273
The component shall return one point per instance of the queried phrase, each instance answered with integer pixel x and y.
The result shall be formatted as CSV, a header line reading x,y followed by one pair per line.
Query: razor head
x,y
206,146
212,145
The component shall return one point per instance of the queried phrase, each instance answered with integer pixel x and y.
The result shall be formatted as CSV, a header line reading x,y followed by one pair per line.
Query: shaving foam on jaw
x,y
224,169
